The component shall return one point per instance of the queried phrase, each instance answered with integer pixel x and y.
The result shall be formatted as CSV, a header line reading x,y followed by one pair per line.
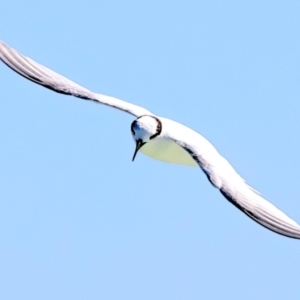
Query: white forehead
x,y
145,127
147,123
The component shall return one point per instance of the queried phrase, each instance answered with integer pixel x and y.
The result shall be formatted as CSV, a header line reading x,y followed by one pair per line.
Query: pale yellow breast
x,y
168,151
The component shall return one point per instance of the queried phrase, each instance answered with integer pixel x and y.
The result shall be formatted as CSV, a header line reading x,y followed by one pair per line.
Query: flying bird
x,y
168,141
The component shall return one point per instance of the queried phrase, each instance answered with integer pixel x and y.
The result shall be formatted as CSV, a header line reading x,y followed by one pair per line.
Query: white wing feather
x,y
39,74
231,185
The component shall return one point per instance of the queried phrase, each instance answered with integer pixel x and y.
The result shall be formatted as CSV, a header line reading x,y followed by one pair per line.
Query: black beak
x,y
139,144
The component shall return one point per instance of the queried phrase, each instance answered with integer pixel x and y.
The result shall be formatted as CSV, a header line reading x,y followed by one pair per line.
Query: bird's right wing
x,y
40,74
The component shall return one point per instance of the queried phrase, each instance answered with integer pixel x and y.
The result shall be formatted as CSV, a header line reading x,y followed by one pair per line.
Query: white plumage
x,y
168,141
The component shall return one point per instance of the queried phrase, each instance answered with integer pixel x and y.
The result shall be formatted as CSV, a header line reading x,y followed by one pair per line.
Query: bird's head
x,y
144,129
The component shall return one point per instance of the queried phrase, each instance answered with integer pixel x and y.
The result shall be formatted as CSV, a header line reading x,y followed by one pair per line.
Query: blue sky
x,y
79,220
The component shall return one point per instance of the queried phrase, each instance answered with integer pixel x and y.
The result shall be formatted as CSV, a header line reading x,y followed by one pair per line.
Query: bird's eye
x,y
132,127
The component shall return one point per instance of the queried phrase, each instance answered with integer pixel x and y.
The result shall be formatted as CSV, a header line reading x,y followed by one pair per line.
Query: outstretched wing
x,y
231,185
39,74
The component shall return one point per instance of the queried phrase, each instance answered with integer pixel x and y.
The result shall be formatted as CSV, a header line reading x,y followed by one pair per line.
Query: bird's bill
x,y
139,144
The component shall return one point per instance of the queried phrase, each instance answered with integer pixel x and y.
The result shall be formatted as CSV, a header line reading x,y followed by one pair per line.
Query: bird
x,y
168,141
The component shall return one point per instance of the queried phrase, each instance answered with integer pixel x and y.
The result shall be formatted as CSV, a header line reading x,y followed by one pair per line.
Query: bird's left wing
x,y
231,185
40,74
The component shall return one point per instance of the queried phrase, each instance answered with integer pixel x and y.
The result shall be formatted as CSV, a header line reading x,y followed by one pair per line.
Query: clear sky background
x,y
79,220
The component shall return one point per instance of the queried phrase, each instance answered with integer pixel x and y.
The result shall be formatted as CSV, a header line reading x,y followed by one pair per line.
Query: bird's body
x,y
165,148
168,141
